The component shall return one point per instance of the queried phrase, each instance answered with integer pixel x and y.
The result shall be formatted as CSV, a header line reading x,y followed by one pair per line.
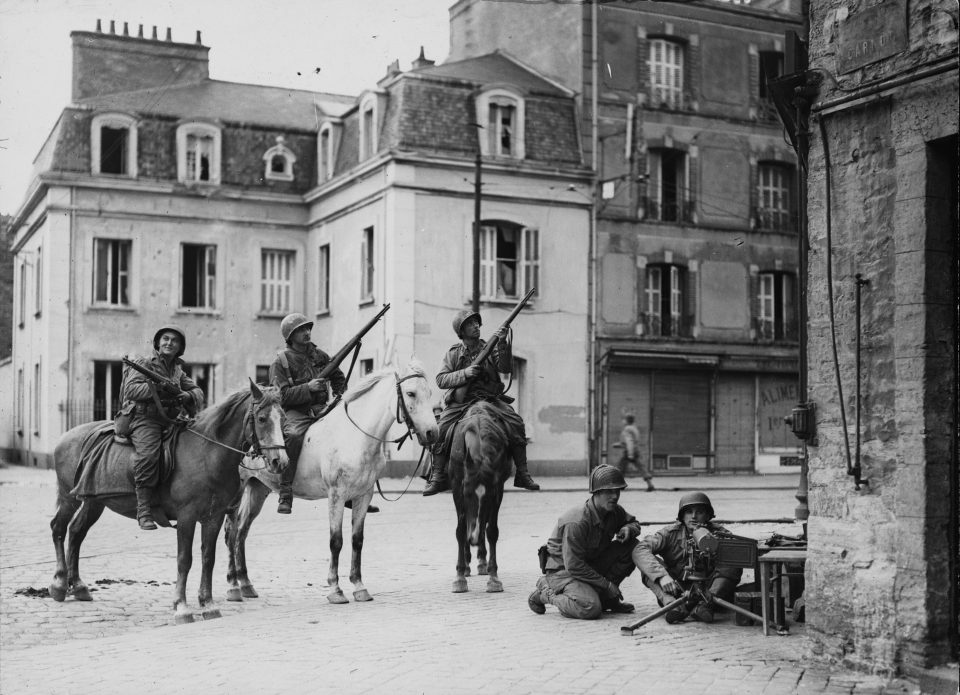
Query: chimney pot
x,y
113,28
140,32
126,29
99,27
169,34
199,42
154,37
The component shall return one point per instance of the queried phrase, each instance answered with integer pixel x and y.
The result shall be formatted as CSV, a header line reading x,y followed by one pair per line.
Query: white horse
x,y
341,459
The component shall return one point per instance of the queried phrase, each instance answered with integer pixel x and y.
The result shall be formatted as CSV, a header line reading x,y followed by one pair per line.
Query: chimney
x,y
422,62
392,71
110,63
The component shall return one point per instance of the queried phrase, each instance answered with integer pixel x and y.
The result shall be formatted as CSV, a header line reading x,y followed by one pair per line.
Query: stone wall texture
x,y
882,558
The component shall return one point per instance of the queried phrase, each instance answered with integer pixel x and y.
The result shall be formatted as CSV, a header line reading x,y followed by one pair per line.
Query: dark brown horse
x,y
480,463
203,484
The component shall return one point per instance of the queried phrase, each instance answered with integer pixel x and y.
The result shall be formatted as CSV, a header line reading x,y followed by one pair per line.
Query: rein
x,y
255,450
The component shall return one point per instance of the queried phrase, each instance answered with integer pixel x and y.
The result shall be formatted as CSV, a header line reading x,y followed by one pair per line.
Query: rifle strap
x,y
282,357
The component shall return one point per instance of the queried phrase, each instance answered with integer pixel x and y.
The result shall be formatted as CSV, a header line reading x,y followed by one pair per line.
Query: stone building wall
x,y
881,570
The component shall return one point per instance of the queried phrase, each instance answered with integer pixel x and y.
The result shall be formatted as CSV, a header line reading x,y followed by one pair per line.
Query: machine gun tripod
x,y
704,547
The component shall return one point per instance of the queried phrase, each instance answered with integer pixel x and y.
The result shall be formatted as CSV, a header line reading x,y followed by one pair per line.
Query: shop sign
x,y
871,35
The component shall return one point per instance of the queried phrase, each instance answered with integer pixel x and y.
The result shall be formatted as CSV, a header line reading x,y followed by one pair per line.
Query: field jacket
x,y
136,387
301,368
669,543
487,384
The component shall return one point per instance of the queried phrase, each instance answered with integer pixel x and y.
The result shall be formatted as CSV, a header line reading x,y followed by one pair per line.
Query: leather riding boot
x,y
144,516
438,476
522,478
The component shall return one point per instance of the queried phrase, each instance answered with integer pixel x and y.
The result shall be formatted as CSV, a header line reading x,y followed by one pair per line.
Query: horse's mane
x,y
374,378
489,424
217,416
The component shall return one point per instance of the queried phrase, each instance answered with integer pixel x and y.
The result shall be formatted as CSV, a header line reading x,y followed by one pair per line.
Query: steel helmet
x,y
692,498
461,317
606,477
173,329
292,322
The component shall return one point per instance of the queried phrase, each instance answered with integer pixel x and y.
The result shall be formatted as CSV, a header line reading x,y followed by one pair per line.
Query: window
x,y
366,265
323,280
771,67
198,274
777,299
107,379
113,144
36,398
368,129
23,294
666,73
20,402
663,301
509,260
276,281
202,375
325,153
111,271
774,184
38,282
365,367
198,153
668,197
501,112
279,162
263,374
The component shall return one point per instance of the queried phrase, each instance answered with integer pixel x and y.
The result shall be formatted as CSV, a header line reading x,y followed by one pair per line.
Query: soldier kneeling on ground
x,y
590,551
662,556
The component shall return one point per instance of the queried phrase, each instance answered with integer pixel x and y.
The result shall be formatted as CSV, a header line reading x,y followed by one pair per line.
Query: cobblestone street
x,y
415,637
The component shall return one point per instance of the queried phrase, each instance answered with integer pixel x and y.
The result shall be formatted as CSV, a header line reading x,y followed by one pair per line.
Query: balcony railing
x,y
769,220
655,211
659,326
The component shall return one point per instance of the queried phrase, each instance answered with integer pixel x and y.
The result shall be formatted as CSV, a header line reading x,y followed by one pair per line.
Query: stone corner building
x,y
882,204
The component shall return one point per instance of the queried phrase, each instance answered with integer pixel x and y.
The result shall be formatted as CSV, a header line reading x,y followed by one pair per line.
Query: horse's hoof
x,y
482,568
212,614
494,586
460,585
362,596
337,597
57,593
466,572
183,618
249,592
233,594
82,593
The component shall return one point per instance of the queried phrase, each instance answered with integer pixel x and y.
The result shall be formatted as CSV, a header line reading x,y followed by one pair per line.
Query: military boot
x,y
522,478
438,476
144,515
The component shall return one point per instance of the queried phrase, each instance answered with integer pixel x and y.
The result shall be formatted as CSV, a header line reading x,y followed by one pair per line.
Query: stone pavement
x,y
415,637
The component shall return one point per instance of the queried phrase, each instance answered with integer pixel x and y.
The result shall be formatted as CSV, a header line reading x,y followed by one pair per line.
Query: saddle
x,y
105,468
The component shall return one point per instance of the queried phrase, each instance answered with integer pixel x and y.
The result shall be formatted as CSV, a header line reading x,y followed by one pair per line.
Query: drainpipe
x,y
592,404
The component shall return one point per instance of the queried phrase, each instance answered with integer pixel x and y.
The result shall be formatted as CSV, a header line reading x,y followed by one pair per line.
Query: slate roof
x,y
229,102
495,67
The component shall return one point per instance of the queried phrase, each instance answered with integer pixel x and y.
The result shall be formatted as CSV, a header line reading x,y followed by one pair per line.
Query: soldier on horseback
x,y
481,382
295,371
151,409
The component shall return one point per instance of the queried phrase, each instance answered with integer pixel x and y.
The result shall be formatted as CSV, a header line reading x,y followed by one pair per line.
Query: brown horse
x,y
480,463
203,484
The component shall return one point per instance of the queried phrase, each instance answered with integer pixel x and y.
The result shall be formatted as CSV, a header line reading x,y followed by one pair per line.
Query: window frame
x,y
115,121
125,284
208,281
368,130
654,300
37,409
782,322
110,370
323,279
274,286
526,258
38,284
655,180
367,265
198,129
489,138
328,140
667,88
768,217
289,159
22,294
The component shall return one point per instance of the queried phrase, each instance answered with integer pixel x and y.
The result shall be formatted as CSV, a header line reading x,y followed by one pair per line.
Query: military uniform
x,y
584,566
291,372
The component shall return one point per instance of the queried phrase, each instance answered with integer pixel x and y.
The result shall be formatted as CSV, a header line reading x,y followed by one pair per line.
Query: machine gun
x,y
705,549
459,394
166,384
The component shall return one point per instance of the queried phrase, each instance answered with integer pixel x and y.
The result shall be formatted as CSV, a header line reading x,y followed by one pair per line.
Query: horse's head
x,y
416,403
265,427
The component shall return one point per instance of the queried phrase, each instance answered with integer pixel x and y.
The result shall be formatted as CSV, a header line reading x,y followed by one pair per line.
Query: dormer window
x,y
113,145
327,142
368,128
198,153
500,112
279,162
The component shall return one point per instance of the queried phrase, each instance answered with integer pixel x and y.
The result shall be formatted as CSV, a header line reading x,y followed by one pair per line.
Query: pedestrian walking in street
x,y
662,557
630,441
151,408
589,553
480,382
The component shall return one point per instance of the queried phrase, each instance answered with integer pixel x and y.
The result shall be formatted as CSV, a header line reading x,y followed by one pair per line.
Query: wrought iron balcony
x,y
655,211
659,326
767,330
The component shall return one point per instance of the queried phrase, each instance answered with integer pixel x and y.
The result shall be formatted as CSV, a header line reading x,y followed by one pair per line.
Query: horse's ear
x,y
255,390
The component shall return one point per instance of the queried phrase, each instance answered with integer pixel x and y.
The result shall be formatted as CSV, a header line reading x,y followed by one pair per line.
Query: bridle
x,y
255,450
403,414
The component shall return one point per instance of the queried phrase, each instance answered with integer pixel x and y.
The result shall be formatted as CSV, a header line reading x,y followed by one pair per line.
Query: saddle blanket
x,y
106,466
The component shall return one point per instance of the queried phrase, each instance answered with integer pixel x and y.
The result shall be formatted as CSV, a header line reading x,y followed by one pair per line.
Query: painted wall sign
x,y
871,35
